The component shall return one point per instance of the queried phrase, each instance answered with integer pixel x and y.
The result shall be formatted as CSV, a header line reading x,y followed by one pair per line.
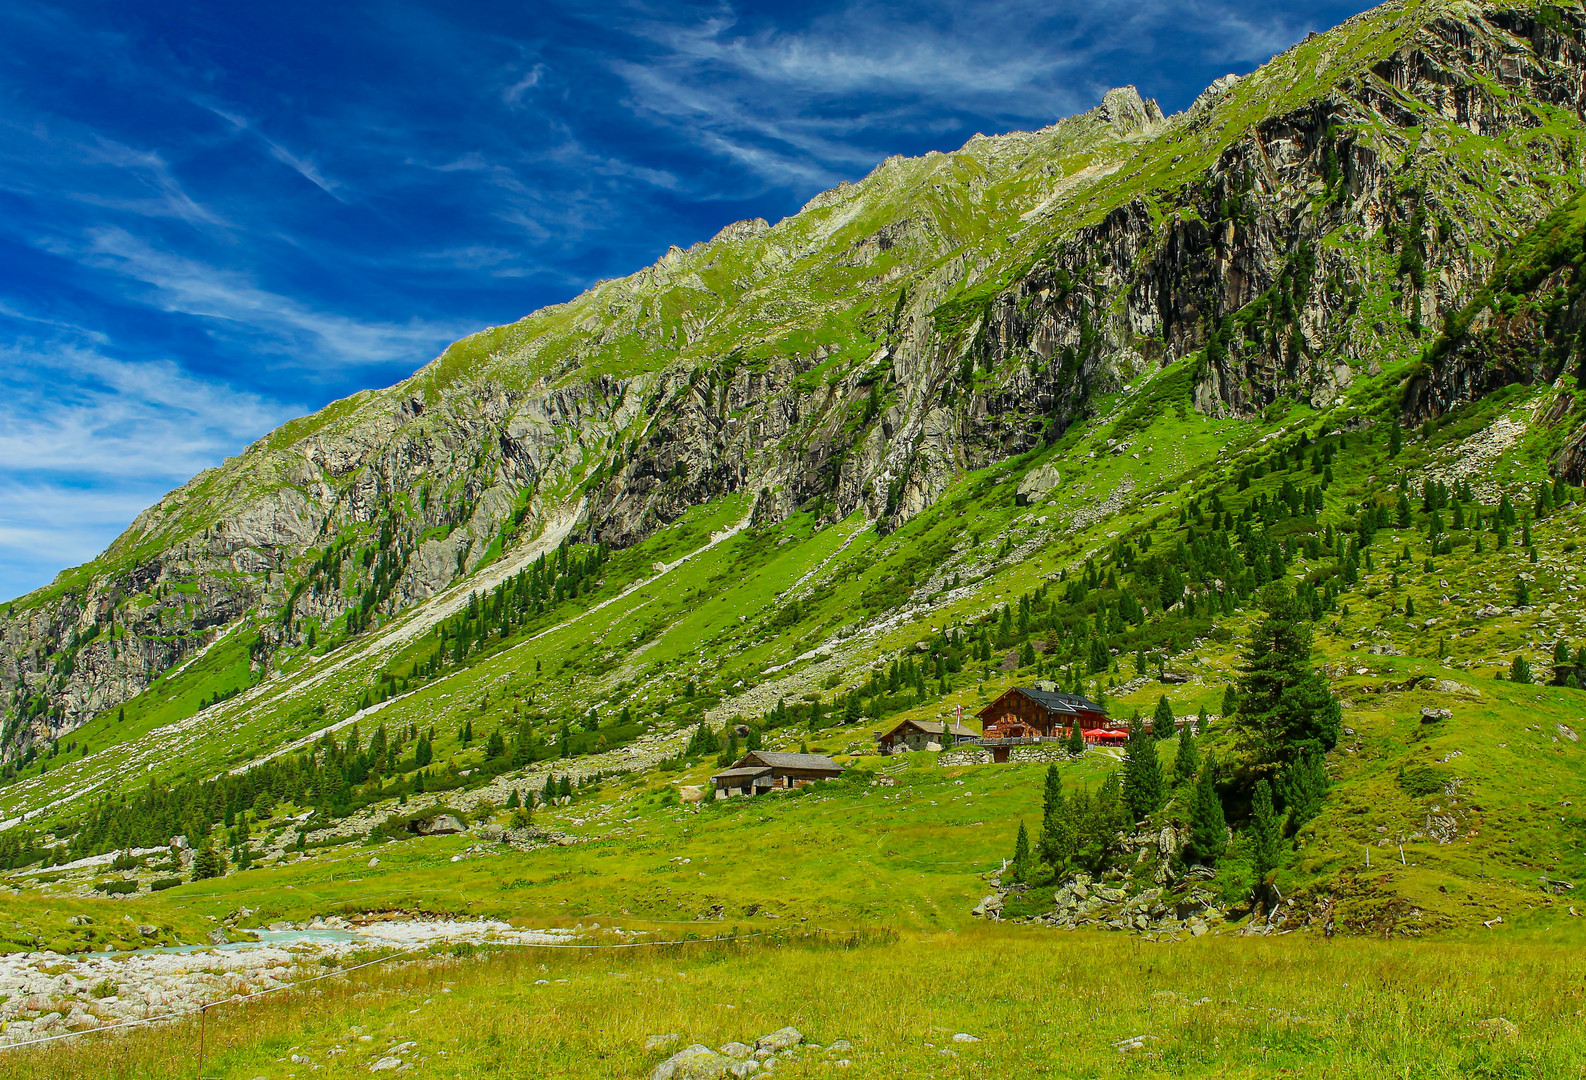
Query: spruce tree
x,y
1021,853
1520,669
1076,739
1266,829
1303,785
1162,719
1142,774
1286,708
1230,701
1522,594
1056,831
1208,828
1185,760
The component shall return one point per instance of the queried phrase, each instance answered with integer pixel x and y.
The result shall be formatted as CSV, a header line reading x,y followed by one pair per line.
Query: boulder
x,y
690,793
779,1040
440,825
1430,715
145,930
1036,484
990,907
737,1050
493,832
692,1063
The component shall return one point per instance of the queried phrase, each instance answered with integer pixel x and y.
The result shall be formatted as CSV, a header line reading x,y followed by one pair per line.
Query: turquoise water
x,y
283,939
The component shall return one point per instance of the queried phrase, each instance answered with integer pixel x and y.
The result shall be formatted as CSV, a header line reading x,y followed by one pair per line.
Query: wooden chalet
x,y
1027,714
760,771
926,735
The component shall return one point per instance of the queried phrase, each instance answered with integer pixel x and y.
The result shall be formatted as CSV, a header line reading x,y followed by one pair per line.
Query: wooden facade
x,y
761,771
925,735
1029,712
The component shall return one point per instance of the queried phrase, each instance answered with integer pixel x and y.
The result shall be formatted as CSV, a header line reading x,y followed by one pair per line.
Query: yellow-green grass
x,y
1052,1004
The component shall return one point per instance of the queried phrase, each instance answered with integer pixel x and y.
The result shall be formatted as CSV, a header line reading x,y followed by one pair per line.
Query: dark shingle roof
x,y
734,774
1059,702
940,727
779,760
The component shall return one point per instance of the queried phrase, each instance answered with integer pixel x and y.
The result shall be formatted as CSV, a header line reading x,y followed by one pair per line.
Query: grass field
x,y
1061,1005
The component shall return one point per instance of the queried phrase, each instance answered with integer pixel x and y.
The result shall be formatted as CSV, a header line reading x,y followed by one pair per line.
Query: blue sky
x,y
214,217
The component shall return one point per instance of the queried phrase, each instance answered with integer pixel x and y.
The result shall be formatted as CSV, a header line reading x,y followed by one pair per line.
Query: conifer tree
x,y
1208,828
1303,785
1076,739
1162,719
1021,854
1520,669
1522,593
1266,829
1395,439
1185,760
1056,829
1142,774
1230,701
1409,607
1286,708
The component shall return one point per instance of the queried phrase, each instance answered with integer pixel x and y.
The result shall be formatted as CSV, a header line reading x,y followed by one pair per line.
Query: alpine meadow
x,y
1106,601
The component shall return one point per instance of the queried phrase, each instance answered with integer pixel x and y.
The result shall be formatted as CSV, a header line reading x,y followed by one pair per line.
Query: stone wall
x,y
965,755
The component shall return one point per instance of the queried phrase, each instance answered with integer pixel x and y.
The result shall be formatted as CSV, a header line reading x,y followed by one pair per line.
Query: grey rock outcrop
x,y
955,360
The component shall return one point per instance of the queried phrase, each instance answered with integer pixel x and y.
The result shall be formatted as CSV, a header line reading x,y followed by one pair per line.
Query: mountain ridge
x,y
906,341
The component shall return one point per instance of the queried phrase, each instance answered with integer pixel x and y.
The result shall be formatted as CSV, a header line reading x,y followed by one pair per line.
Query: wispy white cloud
x,y
298,163
513,95
87,441
229,302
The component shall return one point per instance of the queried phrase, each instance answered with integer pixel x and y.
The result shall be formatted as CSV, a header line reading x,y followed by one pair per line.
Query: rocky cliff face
x,y
1292,231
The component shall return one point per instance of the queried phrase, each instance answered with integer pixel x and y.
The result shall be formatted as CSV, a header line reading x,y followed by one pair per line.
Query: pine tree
x,y
1230,701
1076,739
1162,719
1520,669
549,791
1208,828
565,789
1142,774
1286,708
1395,439
1021,854
1522,594
1266,829
512,799
208,863
1185,760
1056,830
1409,607
1303,785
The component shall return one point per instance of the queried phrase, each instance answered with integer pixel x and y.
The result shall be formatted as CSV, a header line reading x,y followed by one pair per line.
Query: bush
x,y
161,884
116,887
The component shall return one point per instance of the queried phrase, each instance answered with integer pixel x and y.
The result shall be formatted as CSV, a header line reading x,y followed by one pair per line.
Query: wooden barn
x,y
760,771
926,735
1031,713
